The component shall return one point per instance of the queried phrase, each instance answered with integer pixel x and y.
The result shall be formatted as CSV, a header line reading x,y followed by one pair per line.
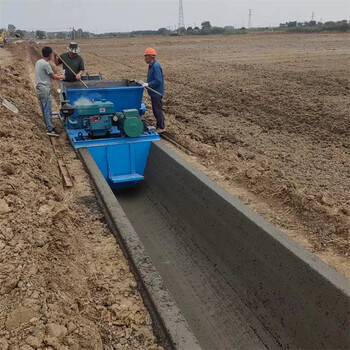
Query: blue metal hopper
x,y
121,159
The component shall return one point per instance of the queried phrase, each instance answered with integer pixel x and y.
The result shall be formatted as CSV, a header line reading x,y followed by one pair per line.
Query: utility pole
x,y
250,18
312,16
181,17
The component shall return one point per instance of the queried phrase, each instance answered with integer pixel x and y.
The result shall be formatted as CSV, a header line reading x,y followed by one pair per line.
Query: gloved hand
x,y
145,85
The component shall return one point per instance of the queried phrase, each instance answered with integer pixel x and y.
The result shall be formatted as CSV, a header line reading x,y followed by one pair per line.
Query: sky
x,y
127,15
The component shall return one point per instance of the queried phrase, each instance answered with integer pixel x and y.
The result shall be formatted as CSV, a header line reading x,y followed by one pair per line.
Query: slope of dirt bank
x,y
64,283
266,115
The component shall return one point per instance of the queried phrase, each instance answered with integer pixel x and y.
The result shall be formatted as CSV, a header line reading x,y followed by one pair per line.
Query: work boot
x,y
159,130
53,132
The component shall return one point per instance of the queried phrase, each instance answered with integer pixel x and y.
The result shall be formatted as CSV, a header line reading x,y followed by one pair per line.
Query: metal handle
x,y
147,87
156,92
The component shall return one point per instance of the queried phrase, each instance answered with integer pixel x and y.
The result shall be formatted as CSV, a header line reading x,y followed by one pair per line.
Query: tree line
x,y
205,29
313,26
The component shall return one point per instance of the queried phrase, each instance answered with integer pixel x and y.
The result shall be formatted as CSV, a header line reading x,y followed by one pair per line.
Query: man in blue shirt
x,y
155,80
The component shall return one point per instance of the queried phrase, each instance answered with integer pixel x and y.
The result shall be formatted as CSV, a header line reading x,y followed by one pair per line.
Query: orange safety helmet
x,y
150,51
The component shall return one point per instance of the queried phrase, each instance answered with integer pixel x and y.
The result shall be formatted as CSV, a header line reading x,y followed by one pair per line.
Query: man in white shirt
x,y
43,76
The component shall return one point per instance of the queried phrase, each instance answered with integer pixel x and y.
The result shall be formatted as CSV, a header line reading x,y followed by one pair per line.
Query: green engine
x,y
93,116
87,108
97,118
130,123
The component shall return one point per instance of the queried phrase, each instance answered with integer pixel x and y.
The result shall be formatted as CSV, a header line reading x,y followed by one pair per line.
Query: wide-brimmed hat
x,y
73,47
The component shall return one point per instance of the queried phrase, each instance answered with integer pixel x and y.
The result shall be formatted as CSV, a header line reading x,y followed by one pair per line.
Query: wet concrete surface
x,y
214,311
239,282
172,330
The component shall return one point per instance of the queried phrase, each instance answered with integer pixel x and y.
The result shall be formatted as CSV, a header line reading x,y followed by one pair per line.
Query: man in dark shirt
x,y
155,80
73,60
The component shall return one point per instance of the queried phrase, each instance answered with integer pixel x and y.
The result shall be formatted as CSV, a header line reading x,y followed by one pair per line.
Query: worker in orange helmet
x,y
155,80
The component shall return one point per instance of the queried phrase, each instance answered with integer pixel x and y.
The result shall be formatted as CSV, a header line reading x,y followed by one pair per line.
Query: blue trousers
x,y
157,107
44,98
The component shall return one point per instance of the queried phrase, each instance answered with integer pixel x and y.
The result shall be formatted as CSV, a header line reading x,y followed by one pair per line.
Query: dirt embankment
x,y
64,283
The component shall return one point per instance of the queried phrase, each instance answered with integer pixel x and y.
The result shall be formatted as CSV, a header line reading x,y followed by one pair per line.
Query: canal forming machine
x,y
106,118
